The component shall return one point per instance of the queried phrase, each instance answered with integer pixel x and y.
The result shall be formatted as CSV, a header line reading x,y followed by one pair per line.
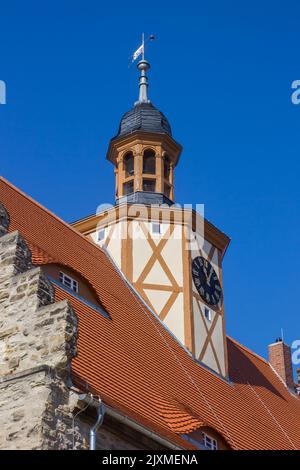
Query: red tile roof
x,y
138,368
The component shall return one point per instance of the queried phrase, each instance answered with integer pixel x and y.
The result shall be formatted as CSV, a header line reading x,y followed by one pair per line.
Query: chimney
x,y
280,360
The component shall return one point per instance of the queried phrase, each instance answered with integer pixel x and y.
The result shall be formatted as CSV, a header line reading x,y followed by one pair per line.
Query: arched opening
x,y
167,166
128,188
149,185
129,164
149,162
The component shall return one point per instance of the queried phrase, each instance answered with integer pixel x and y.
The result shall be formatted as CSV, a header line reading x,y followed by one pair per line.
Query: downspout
x,y
101,410
93,430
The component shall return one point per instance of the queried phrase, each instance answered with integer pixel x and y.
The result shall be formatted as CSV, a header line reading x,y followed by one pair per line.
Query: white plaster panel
x,y
199,329
94,237
175,319
157,276
114,245
218,342
141,251
209,358
158,299
172,254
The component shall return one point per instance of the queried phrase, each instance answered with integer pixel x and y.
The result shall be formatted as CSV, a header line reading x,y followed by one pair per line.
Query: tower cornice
x,y
127,212
146,138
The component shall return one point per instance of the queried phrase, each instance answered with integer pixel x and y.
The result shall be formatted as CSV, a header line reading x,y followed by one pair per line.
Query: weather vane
x,y
141,50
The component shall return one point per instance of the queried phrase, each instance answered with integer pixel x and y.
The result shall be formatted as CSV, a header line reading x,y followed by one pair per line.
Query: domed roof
x,y
144,117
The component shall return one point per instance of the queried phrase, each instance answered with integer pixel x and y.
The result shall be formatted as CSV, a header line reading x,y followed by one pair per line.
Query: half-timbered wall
x,y
159,267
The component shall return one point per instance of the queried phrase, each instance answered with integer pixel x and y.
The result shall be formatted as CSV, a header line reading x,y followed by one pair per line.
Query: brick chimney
x,y
280,360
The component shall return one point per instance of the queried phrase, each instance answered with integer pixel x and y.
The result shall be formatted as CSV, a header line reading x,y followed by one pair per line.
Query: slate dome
x,y
144,117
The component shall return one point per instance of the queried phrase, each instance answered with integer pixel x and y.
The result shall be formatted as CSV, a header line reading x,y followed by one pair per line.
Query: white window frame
x,y
156,225
209,442
207,314
68,281
102,230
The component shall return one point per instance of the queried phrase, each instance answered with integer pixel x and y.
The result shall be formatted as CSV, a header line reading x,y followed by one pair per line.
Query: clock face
x,y
207,282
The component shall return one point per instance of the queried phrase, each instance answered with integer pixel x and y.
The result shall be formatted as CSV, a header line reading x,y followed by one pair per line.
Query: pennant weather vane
x,y
141,50
143,65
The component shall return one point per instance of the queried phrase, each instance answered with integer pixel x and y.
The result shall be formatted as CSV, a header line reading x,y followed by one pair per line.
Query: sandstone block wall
x,y
37,343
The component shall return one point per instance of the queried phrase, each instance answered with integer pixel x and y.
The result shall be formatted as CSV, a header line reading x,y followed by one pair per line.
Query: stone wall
x,y
37,343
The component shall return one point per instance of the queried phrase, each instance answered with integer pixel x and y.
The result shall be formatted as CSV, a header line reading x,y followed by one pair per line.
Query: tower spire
x,y
143,66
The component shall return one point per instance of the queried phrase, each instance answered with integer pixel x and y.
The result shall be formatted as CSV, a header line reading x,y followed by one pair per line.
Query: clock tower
x,y
171,255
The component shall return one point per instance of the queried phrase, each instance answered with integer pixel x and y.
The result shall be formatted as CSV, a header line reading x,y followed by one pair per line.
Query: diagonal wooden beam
x,y
108,238
167,270
168,305
146,298
211,253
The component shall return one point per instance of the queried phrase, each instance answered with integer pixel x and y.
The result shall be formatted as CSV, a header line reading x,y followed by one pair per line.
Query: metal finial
x,y
143,66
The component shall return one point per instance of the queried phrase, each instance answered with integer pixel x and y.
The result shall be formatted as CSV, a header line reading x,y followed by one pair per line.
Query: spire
x,y
143,66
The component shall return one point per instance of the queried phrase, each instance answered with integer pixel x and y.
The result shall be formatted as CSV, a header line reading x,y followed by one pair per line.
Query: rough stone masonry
x,y
37,343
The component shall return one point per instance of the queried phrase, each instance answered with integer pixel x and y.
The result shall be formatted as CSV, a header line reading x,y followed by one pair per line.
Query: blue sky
x,y
222,73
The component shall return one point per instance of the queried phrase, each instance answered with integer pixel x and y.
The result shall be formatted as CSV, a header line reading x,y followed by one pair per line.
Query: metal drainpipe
x,y
129,422
93,431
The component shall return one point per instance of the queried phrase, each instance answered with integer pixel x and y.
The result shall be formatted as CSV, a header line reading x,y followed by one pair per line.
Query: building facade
x,y
112,330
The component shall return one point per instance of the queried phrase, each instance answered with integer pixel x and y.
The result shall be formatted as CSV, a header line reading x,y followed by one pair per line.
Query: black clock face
x,y
207,282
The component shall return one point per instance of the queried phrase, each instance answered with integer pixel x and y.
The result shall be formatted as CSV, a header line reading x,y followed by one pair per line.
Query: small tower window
x,y
149,162
101,234
156,228
207,314
128,188
68,281
129,164
149,185
166,167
